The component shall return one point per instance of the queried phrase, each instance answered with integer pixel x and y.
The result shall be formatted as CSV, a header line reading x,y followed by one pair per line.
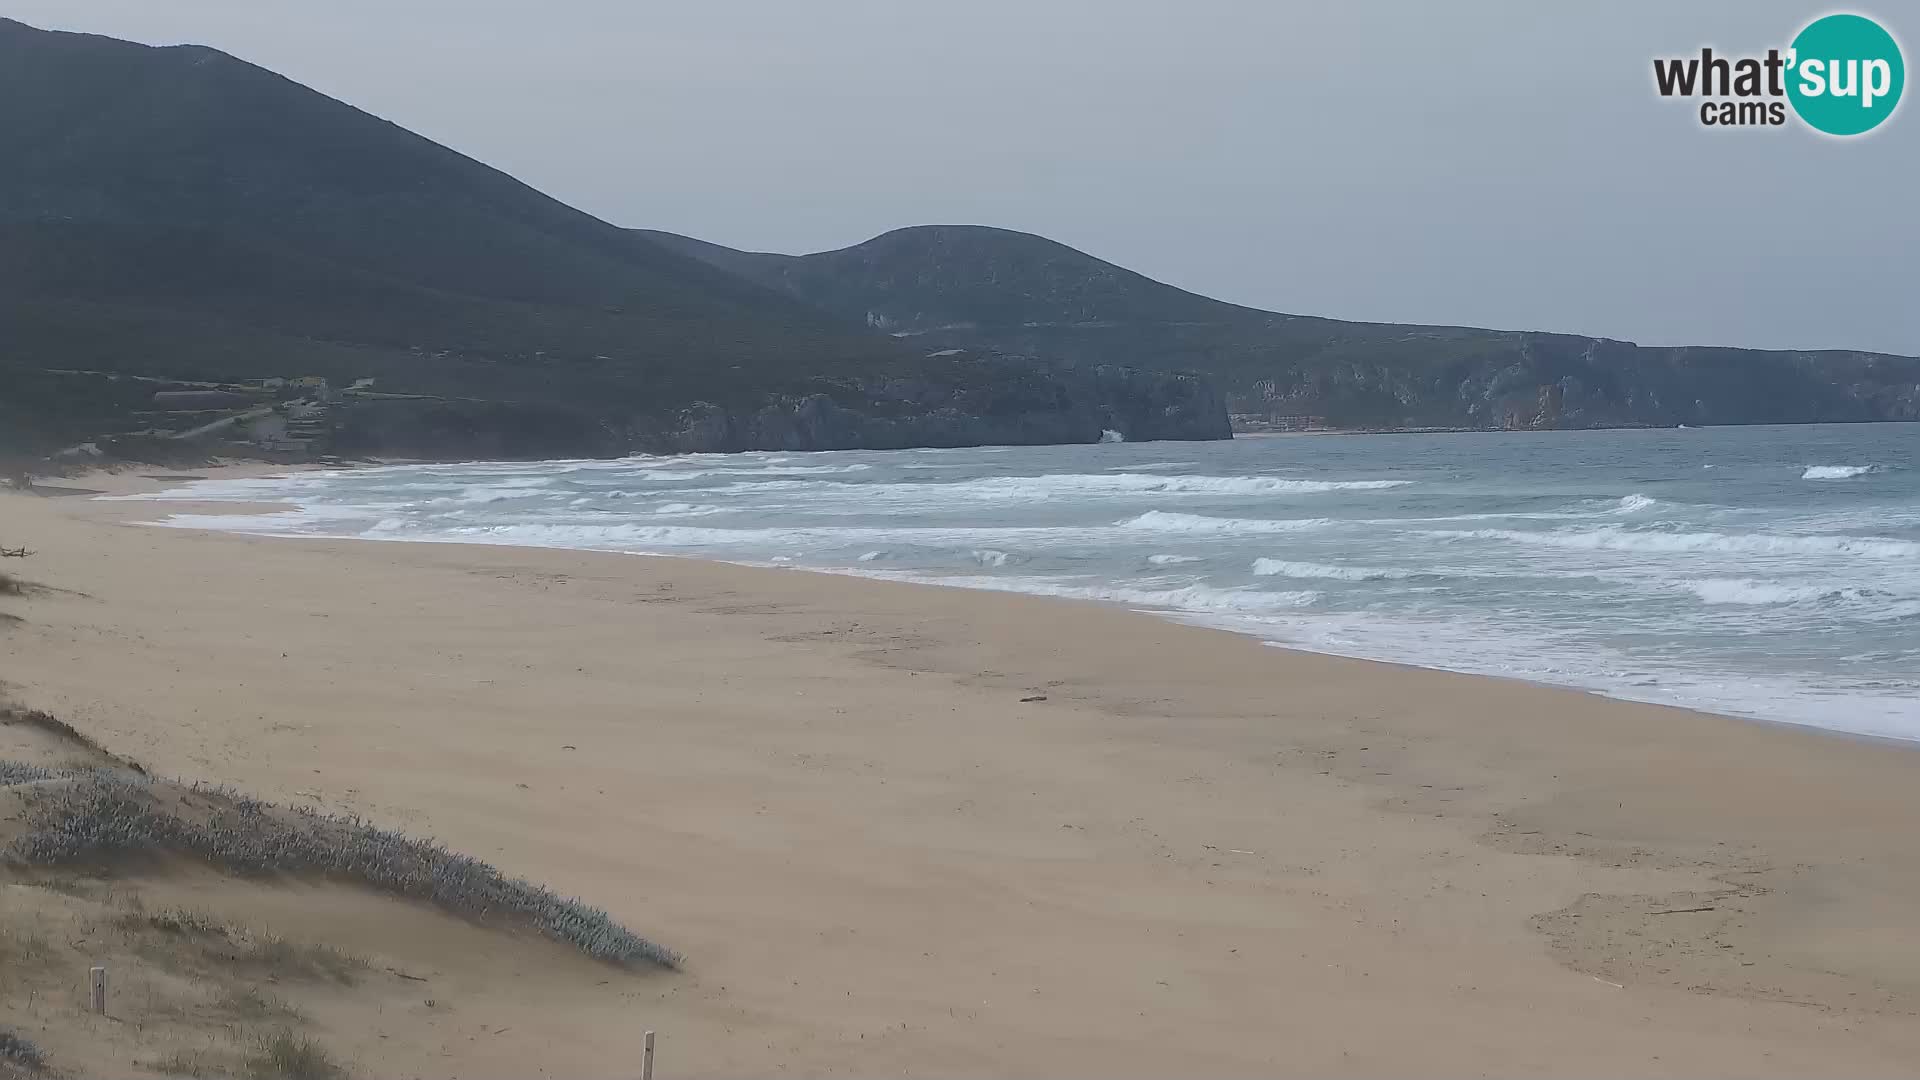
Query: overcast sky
x,y
1494,164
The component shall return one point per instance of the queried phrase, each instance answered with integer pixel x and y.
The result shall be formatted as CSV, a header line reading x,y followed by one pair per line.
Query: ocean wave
x,y
1621,539
1069,485
1288,568
1758,591
602,534
672,475
1170,522
1838,472
1055,484
504,491
1584,510
1635,577
1189,598
260,489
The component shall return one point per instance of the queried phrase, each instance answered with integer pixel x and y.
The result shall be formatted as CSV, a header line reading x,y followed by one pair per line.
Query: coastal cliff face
x,y
990,401
1560,381
1015,403
973,287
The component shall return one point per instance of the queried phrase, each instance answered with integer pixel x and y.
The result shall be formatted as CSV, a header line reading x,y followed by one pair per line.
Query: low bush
x,y
19,1053
287,1056
101,813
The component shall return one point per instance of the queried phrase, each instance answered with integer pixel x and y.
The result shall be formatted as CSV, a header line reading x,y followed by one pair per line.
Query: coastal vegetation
x,y
85,835
197,254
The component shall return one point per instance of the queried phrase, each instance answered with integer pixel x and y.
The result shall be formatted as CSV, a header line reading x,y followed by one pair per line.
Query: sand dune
x,y
1187,854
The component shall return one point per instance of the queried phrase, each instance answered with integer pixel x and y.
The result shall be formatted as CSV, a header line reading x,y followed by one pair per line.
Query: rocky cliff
x,y
1012,403
979,401
964,286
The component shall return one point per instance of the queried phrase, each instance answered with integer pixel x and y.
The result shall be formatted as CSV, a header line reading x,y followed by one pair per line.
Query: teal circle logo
x,y
1846,74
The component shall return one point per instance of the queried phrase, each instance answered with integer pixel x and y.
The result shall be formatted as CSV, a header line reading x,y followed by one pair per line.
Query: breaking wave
x,y
1190,598
1611,562
1169,522
1754,591
1287,568
1621,539
1838,472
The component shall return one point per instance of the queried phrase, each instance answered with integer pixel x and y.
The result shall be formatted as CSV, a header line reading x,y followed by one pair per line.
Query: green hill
x,y
977,287
179,215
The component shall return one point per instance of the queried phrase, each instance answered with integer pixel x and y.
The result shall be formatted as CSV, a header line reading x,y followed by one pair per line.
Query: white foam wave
x,y
1837,472
676,475
482,494
1289,568
1196,599
1147,483
989,557
1172,560
1756,591
1170,522
602,534
1071,485
1621,539
1488,646
264,489
681,509
1633,504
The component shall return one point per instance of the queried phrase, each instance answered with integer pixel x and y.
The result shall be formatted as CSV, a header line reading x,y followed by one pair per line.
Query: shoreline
x,y
130,489
955,831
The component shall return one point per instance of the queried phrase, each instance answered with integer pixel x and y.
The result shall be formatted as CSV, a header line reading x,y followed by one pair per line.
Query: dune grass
x,y
100,813
252,1003
187,922
17,1052
285,1055
17,772
187,1063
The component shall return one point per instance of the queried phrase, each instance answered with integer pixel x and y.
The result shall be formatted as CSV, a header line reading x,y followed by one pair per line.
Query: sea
x,y
1762,572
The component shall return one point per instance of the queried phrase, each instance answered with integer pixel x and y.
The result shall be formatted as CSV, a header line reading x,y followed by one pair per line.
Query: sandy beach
x,y
905,830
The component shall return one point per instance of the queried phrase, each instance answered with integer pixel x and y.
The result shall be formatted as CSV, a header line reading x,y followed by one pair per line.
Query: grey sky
x,y
1495,164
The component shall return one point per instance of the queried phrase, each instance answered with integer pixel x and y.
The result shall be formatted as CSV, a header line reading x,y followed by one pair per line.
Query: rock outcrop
x,y
1013,403
971,287
990,401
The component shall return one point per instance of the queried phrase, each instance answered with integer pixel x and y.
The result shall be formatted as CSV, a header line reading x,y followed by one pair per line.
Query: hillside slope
x,y
978,287
178,214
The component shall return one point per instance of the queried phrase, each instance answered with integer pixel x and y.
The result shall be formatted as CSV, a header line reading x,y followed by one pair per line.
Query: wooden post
x,y
97,985
646,1062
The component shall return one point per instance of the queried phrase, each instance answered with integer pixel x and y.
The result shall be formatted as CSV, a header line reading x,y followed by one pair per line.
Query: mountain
x,y
175,219
958,286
